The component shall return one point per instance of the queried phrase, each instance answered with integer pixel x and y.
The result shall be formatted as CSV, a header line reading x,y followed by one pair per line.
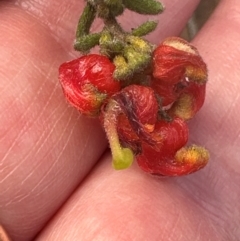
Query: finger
x,y
3,235
129,205
46,147
217,124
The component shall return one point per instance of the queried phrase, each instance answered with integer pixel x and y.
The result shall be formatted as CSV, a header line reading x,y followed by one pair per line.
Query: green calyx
x,y
130,53
131,62
110,45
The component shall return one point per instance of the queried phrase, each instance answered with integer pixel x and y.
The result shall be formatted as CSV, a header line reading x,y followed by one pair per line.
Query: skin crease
x,y
50,187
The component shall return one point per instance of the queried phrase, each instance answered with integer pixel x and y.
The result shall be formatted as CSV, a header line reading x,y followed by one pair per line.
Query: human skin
x,y
56,179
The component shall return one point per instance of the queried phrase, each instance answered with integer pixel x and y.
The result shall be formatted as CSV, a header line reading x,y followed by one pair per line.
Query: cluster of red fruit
x,y
145,118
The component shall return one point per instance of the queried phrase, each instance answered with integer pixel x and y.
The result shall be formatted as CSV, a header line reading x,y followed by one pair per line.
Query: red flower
x,y
139,115
175,59
132,124
169,157
128,116
147,122
87,82
179,77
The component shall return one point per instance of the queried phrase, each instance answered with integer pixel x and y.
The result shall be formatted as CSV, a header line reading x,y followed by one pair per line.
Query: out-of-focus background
x,y
202,13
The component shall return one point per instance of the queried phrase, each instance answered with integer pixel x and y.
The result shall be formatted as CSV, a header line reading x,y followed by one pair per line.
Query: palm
x,y
47,149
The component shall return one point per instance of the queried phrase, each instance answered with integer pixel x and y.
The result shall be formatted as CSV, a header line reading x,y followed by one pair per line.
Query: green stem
x,y
112,26
122,157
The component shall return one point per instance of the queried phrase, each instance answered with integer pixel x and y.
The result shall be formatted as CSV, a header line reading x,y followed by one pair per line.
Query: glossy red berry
x,y
88,81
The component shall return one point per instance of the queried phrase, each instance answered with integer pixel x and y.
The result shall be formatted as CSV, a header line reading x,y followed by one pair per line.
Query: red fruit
x,y
88,81
175,59
168,157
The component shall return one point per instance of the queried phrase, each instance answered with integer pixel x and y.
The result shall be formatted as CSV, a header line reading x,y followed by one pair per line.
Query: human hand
x,y
54,164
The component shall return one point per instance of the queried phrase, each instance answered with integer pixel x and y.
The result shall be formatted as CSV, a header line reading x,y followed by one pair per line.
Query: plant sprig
x,y
130,57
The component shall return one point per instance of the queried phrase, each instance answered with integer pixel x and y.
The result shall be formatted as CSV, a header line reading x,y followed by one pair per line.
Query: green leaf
x,y
151,7
85,43
85,21
145,28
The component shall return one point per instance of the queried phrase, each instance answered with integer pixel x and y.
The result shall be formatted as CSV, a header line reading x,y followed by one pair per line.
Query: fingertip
x,y
3,234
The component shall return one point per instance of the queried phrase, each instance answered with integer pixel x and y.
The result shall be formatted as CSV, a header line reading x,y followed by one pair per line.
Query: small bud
x,y
87,82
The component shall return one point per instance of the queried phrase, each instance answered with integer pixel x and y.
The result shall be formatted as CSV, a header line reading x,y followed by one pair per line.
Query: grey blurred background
x,y
200,16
